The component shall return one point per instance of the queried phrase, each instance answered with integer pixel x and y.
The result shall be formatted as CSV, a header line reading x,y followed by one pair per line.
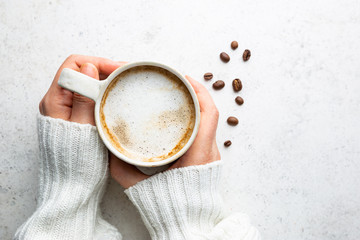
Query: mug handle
x,y
80,83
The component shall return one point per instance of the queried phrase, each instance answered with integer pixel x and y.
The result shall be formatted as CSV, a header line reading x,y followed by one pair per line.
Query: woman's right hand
x,y
204,149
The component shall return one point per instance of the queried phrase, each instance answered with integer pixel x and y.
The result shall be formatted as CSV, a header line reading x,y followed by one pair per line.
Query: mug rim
x,y
107,143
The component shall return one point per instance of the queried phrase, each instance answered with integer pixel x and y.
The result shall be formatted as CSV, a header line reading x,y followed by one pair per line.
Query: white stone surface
x,y
294,164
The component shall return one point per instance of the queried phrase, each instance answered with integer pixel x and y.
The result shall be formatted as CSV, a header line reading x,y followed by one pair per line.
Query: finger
x,y
104,75
209,113
104,66
206,102
125,174
83,107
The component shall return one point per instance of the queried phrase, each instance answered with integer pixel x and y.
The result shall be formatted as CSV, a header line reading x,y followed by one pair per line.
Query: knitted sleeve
x,y
185,203
73,173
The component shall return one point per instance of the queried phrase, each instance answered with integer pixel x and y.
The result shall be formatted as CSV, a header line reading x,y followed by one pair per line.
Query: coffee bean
x,y
227,143
224,57
208,76
237,85
233,121
219,84
234,45
239,100
246,55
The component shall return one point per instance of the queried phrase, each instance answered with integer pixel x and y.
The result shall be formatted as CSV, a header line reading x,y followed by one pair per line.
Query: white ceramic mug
x,y
95,89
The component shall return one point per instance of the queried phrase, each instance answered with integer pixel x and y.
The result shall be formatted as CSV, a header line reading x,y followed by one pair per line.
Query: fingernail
x,y
90,70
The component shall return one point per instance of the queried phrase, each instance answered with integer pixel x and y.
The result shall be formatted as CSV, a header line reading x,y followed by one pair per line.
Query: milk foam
x,y
148,113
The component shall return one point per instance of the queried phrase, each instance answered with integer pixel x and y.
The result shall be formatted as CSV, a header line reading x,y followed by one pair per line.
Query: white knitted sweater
x,y
182,203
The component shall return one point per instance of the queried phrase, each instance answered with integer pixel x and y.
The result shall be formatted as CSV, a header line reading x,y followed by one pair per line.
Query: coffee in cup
x,y
147,113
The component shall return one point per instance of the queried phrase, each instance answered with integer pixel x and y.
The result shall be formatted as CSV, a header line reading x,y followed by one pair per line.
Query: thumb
x,y
83,107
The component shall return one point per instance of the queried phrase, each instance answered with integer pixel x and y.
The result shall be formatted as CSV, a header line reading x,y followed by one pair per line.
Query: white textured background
x,y
294,165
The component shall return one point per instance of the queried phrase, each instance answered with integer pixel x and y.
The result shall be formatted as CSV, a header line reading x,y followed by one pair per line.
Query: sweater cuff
x,y
74,159
180,202
73,173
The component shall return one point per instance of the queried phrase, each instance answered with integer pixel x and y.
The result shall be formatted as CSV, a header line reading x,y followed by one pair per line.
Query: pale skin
x,y
63,104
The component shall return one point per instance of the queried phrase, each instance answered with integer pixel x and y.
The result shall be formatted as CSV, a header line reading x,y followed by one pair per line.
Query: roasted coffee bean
x,y
239,100
219,84
224,57
208,76
233,121
227,143
234,45
246,55
237,85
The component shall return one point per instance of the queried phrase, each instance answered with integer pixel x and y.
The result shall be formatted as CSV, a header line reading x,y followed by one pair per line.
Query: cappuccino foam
x,y
147,113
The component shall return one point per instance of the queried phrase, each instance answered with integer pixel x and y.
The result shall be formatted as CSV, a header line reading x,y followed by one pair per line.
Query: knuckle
x,y
71,57
81,99
66,93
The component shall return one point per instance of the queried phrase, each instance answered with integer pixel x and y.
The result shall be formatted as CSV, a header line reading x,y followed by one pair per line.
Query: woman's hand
x,y
61,103
204,149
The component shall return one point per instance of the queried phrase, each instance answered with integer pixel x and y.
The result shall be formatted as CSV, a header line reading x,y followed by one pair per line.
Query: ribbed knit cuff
x,y
73,173
75,159
182,203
